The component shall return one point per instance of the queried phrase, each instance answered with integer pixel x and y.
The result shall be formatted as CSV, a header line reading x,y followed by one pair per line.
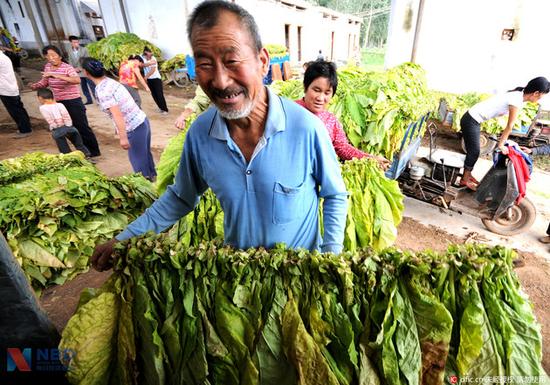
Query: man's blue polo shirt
x,y
272,199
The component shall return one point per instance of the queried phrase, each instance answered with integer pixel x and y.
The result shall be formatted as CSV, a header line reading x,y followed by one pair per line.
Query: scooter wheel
x,y
521,218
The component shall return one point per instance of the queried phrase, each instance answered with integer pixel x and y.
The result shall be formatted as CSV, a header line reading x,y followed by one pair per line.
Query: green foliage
x,y
17,169
6,33
117,47
375,108
177,61
372,59
57,207
375,206
276,50
215,315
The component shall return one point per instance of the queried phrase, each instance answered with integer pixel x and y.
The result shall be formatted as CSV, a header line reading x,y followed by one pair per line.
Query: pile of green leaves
x,y
6,33
375,206
177,61
117,47
53,220
462,103
16,169
276,50
214,315
375,108
170,158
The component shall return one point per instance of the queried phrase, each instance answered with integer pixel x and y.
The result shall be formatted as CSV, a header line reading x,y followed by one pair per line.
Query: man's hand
x,y
124,143
180,121
504,150
102,257
526,150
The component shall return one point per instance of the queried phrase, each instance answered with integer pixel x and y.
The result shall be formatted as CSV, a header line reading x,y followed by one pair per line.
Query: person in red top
x,y
129,75
320,83
63,80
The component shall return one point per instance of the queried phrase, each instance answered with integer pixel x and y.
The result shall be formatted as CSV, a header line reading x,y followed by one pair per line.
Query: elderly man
x,y
9,94
266,158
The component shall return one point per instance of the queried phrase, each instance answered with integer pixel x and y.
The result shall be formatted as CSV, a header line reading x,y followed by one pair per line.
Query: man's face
x,y
75,43
148,55
228,68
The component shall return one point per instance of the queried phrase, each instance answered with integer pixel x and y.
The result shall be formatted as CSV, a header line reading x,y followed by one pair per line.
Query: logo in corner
x,y
453,379
19,359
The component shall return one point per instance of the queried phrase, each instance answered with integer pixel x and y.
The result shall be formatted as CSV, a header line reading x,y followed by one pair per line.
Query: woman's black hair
x,y
321,69
93,66
540,84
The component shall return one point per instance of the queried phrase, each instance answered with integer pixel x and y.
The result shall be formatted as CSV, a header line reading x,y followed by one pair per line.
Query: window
x,y
21,9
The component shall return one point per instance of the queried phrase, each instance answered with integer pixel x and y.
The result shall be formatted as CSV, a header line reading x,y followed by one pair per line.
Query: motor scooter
x,y
432,175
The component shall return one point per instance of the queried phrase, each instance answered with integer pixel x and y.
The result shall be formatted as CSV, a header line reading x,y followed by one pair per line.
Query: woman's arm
x,y
68,79
343,148
140,78
513,112
118,118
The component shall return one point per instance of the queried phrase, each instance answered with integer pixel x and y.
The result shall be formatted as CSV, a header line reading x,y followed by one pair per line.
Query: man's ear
x,y
264,58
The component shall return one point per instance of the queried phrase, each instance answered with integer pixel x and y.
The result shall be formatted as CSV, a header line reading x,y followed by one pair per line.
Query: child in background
x,y
60,123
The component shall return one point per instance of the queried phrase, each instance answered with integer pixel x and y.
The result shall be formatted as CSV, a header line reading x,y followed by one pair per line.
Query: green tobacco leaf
x,y
41,257
90,335
301,349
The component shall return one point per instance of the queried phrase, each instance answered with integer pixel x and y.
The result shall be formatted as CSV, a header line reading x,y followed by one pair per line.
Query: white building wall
x,y
112,15
460,44
161,23
166,26
25,35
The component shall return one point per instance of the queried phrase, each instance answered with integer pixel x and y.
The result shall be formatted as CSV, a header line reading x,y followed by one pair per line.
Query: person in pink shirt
x,y
60,123
320,83
64,82
129,74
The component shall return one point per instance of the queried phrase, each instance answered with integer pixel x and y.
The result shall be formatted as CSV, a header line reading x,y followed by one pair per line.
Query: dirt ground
x,y
59,302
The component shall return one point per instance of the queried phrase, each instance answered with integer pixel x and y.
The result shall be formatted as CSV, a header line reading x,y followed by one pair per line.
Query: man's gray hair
x,y
207,13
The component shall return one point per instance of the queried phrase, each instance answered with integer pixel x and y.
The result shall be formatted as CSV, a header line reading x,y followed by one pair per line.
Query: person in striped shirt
x,y
60,123
64,82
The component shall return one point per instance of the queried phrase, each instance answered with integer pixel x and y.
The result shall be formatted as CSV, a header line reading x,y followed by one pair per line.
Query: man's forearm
x,y
335,210
166,211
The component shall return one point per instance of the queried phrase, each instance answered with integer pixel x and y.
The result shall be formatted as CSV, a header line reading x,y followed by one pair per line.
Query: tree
x,y
375,22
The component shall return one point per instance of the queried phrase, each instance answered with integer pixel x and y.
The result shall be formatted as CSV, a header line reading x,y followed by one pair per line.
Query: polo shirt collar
x,y
275,121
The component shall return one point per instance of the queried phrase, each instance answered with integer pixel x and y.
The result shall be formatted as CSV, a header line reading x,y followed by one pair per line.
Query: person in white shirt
x,y
60,122
154,80
509,103
9,94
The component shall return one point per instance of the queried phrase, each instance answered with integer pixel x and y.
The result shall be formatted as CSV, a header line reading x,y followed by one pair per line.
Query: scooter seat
x,y
448,158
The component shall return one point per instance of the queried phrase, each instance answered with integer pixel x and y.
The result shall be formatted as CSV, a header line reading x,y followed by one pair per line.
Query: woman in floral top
x,y
320,82
131,122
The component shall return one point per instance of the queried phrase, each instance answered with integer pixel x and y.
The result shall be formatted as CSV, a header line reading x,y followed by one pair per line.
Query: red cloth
x,y
342,147
522,172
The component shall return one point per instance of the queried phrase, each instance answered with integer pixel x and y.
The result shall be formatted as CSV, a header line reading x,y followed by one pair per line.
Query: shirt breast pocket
x,y
288,203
